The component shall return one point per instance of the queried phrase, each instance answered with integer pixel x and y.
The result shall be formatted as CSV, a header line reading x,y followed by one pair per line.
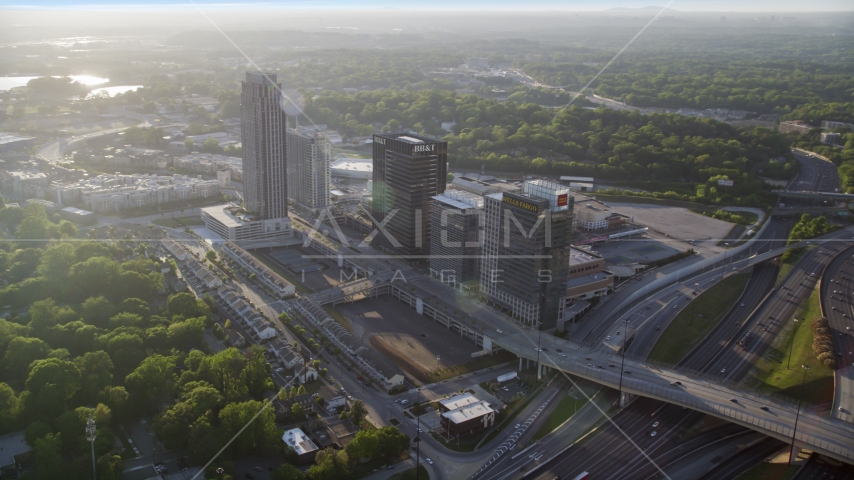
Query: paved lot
x,y
320,274
673,227
417,337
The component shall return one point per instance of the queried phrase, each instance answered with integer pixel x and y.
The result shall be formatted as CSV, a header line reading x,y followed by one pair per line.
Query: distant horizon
x,y
497,6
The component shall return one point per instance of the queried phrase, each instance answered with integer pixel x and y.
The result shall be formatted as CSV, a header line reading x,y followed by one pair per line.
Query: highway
x,y
837,290
718,346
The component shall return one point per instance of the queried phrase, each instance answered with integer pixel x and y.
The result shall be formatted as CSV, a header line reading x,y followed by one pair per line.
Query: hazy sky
x,y
588,5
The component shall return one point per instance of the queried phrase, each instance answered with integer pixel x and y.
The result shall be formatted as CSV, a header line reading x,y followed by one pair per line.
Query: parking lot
x,y
512,390
315,273
675,226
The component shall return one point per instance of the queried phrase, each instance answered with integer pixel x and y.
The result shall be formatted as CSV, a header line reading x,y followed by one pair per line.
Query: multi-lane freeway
x,y
837,292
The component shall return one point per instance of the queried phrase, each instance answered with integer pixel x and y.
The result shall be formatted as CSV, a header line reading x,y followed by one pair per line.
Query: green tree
x,y
286,471
67,229
96,373
21,352
62,375
126,349
47,460
110,467
261,433
329,465
297,412
97,311
364,446
211,145
117,399
186,305
45,314
154,379
187,334
357,412
57,260
218,332
8,408
125,319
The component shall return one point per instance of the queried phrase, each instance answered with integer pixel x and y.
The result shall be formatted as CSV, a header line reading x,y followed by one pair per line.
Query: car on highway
x,y
429,460
562,354
763,407
653,434
723,370
655,424
518,425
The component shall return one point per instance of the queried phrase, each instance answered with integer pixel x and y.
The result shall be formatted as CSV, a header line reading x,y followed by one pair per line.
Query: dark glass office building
x,y
409,170
535,229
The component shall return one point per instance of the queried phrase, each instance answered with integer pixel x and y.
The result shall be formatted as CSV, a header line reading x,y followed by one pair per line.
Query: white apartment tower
x,y
263,124
309,155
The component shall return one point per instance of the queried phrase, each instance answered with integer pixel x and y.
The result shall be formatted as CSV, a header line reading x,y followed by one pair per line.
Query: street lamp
x,y
90,436
623,355
723,264
417,438
539,334
798,415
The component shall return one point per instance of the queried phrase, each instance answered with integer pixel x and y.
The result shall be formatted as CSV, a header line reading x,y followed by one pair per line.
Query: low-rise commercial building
x,y
301,444
77,215
470,416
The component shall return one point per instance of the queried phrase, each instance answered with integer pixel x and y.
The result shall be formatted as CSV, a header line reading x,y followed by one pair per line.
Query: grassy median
x,y
775,371
683,334
567,407
790,258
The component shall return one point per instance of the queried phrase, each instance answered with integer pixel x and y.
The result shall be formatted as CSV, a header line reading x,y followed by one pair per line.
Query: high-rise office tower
x,y
455,236
308,157
263,124
409,170
526,248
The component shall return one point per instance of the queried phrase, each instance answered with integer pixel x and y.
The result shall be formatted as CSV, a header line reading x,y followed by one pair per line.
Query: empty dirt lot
x,y
416,340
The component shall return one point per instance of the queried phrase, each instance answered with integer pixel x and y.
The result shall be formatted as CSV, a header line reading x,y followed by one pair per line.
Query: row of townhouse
x,y
272,280
371,363
208,278
175,249
244,313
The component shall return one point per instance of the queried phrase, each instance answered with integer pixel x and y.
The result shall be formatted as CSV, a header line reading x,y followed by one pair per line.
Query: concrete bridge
x,y
816,430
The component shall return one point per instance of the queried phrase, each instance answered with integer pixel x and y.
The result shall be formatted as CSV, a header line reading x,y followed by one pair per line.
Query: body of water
x,y
7,83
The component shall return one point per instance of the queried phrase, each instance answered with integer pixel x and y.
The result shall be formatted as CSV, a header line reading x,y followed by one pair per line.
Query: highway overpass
x,y
810,195
714,396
